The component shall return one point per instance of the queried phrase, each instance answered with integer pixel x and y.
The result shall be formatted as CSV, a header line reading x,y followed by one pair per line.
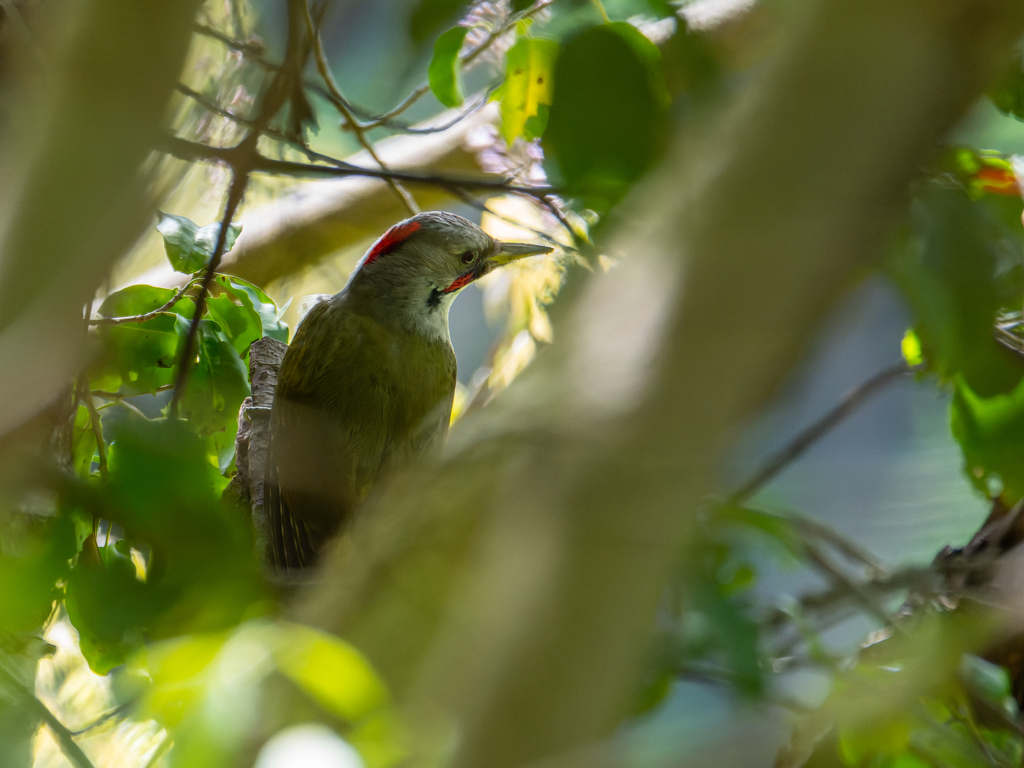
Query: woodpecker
x,y
369,379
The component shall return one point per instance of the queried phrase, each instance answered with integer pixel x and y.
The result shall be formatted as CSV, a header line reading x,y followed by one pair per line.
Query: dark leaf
x,y
951,267
430,16
608,117
30,566
218,382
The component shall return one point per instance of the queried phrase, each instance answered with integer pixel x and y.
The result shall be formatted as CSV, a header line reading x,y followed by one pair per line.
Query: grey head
x,y
416,269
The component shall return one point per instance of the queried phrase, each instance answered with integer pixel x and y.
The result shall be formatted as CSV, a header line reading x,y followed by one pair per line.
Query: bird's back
x,y
354,398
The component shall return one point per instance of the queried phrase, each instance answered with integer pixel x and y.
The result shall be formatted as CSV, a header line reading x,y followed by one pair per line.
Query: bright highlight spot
x,y
310,746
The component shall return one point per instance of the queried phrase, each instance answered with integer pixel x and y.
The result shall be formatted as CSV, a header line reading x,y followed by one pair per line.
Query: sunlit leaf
x,y
608,119
257,299
527,91
444,72
240,324
189,246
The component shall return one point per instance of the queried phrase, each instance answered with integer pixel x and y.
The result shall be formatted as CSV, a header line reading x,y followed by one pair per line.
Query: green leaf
x,y
164,491
330,670
661,8
1008,91
527,91
142,355
256,298
958,266
988,430
218,382
445,72
429,16
108,605
609,113
241,324
521,5
83,443
189,246
30,567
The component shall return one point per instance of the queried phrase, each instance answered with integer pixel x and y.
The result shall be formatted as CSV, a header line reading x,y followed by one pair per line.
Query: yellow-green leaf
x,y
528,87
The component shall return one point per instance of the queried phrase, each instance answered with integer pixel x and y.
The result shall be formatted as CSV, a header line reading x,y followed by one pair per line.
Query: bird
x,y
368,381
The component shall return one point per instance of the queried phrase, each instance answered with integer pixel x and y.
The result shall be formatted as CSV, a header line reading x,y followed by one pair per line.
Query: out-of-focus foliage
x,y
135,548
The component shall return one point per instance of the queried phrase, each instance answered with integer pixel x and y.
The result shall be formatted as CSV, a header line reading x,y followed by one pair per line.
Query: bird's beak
x,y
506,253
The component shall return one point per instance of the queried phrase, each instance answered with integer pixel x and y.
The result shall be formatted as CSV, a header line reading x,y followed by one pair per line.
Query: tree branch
x,y
338,100
65,738
796,447
239,182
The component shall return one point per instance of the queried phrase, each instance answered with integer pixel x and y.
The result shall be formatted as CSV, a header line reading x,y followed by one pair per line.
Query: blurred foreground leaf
x,y
956,268
596,150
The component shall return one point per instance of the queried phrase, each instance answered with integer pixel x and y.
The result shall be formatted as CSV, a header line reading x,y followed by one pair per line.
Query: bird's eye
x,y
468,257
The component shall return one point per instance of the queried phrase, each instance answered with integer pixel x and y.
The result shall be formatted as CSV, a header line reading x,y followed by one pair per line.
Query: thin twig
x,y
338,100
484,208
465,60
291,141
65,738
106,717
85,394
239,182
252,50
850,402
161,310
117,396
839,542
191,150
841,580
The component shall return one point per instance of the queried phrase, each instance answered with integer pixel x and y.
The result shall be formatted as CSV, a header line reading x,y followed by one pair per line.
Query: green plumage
x,y
353,398
368,382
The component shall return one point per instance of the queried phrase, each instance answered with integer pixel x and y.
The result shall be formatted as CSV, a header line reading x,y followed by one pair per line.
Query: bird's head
x,y
417,267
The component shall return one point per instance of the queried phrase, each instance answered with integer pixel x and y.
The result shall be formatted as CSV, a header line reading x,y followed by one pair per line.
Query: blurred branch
x,y
52,268
850,402
491,585
250,49
64,737
342,106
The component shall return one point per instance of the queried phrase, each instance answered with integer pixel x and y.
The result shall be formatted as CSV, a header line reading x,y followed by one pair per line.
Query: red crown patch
x,y
394,237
